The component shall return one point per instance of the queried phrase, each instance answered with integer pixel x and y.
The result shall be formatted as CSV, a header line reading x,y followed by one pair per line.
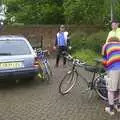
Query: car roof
x,y
4,37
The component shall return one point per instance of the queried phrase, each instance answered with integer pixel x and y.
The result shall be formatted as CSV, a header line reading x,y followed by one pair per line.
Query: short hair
x,y
115,21
113,39
62,26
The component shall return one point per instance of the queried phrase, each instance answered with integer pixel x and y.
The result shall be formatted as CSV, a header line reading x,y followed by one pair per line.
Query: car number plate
x,y
11,65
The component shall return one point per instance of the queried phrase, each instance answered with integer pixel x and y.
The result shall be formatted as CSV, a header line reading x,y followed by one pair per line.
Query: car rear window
x,y
14,47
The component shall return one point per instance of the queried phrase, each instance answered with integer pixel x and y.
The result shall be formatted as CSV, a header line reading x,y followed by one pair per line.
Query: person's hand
x,y
69,47
54,48
103,49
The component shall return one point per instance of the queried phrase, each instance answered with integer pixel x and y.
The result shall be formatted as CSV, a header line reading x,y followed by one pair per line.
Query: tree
x,y
89,11
37,11
63,11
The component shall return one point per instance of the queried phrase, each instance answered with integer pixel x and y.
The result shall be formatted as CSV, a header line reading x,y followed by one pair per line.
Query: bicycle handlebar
x,y
45,51
79,63
74,60
38,50
90,68
69,57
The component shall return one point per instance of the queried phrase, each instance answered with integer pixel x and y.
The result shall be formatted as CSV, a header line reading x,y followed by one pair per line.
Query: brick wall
x,y
47,33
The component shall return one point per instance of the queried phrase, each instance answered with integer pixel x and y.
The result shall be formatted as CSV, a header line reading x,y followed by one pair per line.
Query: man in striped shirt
x,y
111,61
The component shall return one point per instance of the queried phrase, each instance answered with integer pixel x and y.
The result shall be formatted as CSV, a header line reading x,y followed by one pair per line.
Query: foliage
x,y
81,40
83,11
87,47
36,11
89,11
63,11
86,55
96,40
78,40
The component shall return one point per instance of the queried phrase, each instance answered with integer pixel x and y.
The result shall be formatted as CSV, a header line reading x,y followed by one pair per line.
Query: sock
x,y
111,97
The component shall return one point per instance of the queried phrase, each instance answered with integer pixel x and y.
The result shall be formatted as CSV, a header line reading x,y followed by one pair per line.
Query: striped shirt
x,y
111,59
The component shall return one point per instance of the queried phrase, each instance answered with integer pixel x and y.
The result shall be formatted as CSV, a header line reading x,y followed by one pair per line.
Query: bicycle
x,y
45,71
97,82
67,53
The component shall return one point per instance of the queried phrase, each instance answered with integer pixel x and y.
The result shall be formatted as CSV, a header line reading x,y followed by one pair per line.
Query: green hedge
x,y
78,40
81,40
96,40
88,47
86,55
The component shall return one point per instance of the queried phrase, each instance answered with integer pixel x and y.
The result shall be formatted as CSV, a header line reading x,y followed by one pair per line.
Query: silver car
x,y
17,58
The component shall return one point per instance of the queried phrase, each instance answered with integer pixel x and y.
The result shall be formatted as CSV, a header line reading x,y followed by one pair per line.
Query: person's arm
x,y
56,41
68,41
104,61
109,35
107,39
104,55
103,50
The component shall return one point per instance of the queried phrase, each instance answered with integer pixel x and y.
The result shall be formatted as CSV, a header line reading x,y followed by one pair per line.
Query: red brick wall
x,y
46,32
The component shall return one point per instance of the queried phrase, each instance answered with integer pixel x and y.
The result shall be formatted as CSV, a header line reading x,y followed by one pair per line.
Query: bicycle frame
x,y
89,84
93,69
41,56
96,83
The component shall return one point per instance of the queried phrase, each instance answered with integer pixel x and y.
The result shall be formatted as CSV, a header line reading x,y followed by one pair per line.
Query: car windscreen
x,y
14,47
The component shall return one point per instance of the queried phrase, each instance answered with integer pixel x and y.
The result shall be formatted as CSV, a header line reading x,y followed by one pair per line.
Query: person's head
x,y
114,24
113,39
62,28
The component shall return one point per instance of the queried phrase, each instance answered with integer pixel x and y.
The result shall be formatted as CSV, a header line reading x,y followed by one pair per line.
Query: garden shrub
x,y
96,40
81,40
86,55
88,47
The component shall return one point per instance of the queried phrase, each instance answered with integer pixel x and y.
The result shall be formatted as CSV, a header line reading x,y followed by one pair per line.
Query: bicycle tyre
x,y
71,79
47,77
49,69
100,87
47,73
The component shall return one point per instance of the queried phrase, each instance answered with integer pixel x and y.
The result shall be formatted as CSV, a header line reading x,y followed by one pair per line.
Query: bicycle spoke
x,y
90,94
100,87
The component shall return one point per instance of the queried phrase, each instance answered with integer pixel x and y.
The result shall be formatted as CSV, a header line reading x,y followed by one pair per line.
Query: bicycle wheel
x,y
68,82
49,69
100,87
47,72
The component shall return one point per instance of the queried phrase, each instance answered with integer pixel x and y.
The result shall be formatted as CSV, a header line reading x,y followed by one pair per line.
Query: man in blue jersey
x,y
62,42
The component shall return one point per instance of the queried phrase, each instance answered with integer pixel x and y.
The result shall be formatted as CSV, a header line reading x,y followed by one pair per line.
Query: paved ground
x,y
39,101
